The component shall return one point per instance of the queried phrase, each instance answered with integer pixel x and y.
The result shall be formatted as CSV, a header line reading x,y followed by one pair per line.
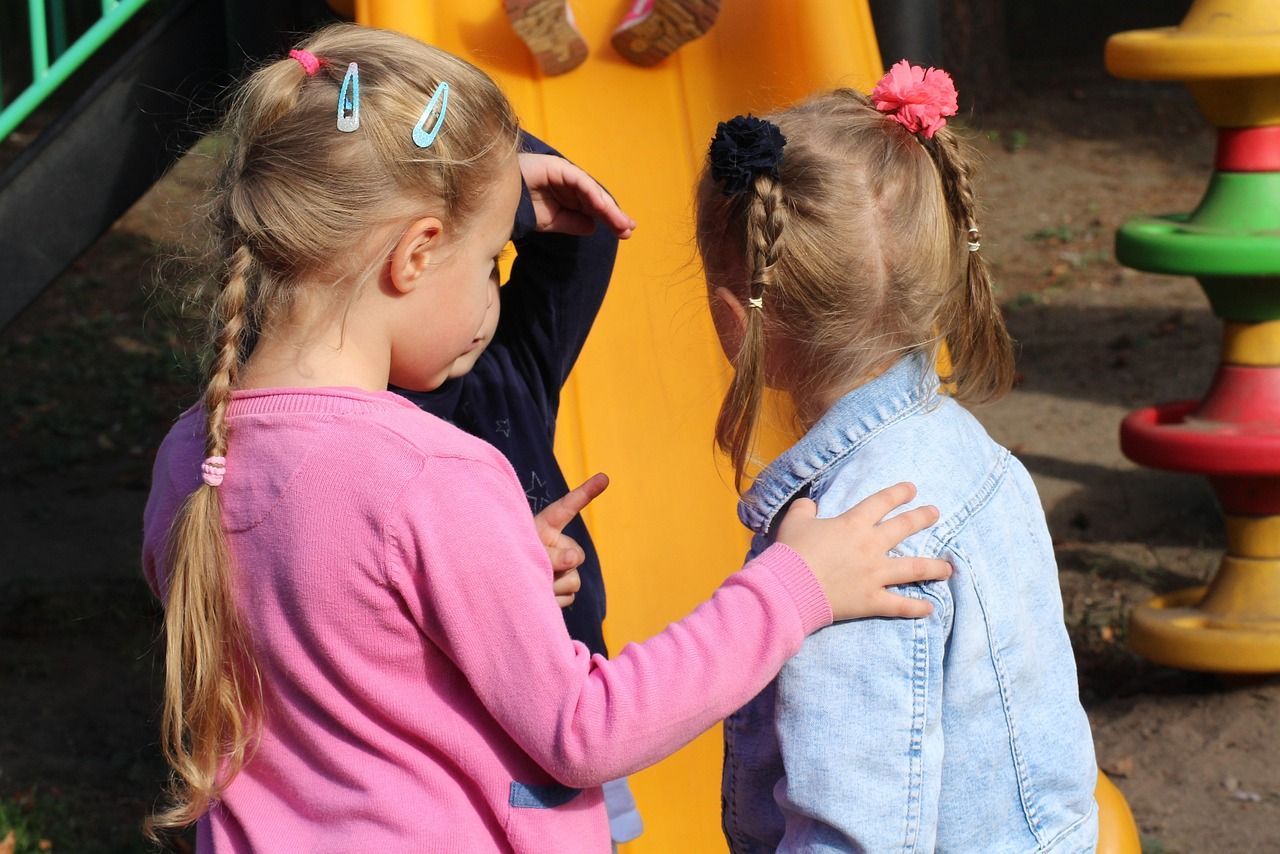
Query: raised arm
x,y
558,280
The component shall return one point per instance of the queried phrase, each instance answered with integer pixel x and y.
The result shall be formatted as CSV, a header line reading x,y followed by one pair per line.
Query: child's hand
x,y
565,554
568,200
849,553
565,584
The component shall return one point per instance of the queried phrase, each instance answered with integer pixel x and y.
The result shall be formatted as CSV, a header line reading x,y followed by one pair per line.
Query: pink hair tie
x,y
917,98
309,61
213,470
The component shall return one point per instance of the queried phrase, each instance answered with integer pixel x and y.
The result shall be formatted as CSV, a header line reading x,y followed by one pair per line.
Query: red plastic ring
x,y
1249,149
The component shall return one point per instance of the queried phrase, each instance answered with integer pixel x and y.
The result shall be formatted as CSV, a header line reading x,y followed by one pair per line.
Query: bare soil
x,y
94,373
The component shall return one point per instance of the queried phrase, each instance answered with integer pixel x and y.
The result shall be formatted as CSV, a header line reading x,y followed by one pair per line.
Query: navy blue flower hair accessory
x,y
743,148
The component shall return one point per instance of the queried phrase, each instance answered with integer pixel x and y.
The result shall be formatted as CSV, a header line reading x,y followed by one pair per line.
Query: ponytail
x,y
848,251
212,689
970,320
766,218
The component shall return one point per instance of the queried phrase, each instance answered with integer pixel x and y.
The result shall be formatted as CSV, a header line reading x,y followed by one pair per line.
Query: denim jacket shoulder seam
x,y
950,528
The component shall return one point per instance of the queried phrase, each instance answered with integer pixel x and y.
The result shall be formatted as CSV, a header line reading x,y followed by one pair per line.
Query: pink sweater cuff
x,y
799,582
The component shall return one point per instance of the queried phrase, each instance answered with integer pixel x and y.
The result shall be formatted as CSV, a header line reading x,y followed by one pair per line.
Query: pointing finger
x,y
560,512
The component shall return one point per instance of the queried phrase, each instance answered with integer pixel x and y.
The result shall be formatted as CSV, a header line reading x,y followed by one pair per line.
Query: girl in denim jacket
x,y
841,248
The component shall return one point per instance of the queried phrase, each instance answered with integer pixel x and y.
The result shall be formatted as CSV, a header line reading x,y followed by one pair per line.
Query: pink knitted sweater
x,y
422,692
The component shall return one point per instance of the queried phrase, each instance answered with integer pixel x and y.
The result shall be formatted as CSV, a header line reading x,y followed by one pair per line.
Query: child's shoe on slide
x,y
547,27
654,29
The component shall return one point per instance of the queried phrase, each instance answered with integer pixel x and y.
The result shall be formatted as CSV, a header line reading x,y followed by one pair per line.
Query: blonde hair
x,y
858,252
295,200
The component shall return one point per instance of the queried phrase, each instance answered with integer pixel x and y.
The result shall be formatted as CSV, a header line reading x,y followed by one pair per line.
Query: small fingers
x,y
592,487
903,525
896,605
567,558
566,583
607,208
803,508
623,224
915,570
572,223
576,500
875,507
594,200
560,512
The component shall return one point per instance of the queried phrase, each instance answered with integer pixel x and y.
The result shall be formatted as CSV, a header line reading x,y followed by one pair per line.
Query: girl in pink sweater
x,y
363,649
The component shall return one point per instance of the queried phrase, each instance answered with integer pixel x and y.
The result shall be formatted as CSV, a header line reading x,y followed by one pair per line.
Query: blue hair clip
x,y
349,100
421,136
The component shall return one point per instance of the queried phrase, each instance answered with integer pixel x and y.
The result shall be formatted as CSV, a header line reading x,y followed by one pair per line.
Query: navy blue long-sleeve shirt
x,y
512,395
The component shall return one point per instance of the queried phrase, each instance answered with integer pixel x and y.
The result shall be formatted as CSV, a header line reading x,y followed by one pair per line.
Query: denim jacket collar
x,y
908,385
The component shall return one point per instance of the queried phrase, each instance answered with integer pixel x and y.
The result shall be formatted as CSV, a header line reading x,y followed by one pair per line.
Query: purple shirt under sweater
x,y
422,693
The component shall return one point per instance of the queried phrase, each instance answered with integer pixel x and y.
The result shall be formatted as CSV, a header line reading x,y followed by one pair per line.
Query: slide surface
x,y
642,401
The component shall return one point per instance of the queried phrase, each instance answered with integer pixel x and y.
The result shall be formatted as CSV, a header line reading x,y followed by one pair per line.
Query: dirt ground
x,y
93,375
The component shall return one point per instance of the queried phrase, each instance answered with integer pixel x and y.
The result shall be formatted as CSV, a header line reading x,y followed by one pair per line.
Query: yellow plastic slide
x,y
642,401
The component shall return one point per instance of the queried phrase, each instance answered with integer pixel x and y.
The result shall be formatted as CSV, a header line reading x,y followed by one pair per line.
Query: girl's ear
x,y
729,317
735,307
413,253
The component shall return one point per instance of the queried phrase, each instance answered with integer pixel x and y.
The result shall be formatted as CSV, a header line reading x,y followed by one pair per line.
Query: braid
x,y
766,219
230,316
213,691
970,321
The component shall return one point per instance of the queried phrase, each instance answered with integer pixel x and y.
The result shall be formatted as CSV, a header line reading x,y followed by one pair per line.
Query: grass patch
x,y
31,819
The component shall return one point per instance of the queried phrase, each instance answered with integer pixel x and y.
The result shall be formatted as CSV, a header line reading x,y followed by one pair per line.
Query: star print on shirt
x,y
503,426
537,493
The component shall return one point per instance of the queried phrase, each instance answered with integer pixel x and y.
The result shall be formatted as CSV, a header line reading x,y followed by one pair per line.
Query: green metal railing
x,y
46,15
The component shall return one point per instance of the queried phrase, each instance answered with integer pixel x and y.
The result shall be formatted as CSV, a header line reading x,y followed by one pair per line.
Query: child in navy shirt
x,y
511,396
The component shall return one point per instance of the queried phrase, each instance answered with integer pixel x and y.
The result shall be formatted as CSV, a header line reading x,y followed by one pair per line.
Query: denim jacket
x,y
959,732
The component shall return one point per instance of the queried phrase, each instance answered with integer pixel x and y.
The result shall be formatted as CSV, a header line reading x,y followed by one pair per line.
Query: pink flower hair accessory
x,y
309,61
213,470
917,98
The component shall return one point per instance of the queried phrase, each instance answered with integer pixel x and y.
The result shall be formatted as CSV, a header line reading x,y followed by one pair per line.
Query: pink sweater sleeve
x,y
477,581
